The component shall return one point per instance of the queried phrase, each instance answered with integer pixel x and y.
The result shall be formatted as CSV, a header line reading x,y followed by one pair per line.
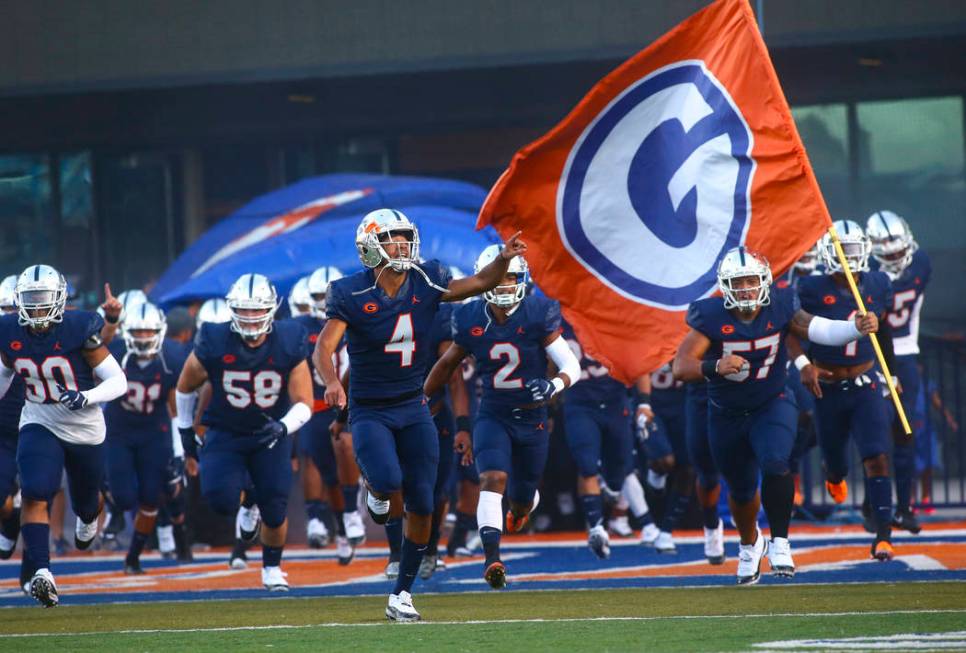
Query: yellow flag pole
x,y
875,341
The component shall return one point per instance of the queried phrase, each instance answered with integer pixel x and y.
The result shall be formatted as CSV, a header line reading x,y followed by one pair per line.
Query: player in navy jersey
x,y
895,252
849,401
10,407
386,314
510,335
139,446
261,392
597,424
60,357
736,342
466,488
707,485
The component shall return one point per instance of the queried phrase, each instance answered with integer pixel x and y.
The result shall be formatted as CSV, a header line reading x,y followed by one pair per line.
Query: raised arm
x,y
490,276
824,331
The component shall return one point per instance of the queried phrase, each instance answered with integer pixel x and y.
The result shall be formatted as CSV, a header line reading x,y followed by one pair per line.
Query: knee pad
x,y
707,479
274,511
224,501
775,467
742,495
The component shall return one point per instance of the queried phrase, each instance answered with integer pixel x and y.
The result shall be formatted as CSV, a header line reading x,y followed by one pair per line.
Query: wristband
x,y
343,415
709,369
463,423
108,319
802,361
643,398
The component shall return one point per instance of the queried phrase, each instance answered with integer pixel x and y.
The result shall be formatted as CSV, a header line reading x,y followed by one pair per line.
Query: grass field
x,y
682,619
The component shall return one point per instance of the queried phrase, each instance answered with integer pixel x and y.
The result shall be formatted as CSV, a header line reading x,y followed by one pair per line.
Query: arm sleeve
x,y
113,382
834,333
185,403
563,357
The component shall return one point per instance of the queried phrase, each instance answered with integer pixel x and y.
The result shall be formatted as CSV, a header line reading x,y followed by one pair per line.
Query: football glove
x,y
175,471
73,399
540,389
190,442
269,435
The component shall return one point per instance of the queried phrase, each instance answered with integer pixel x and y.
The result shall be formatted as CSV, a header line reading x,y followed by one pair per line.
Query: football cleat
x,y
84,534
317,533
377,509
649,534
599,542
838,491
882,550
6,547
344,551
274,579
714,549
495,575
355,530
620,527
780,557
472,545
906,521
132,567
427,567
401,608
749,560
43,588
392,570
515,524
665,543
238,558
249,522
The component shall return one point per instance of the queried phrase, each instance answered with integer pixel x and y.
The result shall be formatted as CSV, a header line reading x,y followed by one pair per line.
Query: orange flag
x,y
686,150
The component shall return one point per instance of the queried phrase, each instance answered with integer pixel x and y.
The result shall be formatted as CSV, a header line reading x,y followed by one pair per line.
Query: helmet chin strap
x,y
414,266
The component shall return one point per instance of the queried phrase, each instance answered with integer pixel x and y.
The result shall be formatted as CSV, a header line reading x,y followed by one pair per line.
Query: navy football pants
x,y
600,440
516,446
137,467
848,409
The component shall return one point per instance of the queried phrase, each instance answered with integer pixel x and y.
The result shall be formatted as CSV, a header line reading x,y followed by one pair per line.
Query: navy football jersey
x,y
248,384
596,385
144,407
510,354
10,406
821,295
388,337
761,342
442,331
907,296
667,395
313,327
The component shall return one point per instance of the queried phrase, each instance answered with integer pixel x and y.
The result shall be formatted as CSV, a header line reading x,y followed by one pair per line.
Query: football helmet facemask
x,y
855,245
378,233
504,295
41,296
144,329
319,287
252,302
746,296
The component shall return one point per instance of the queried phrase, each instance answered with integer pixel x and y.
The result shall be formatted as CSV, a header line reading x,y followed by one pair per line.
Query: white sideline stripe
x,y
484,622
904,642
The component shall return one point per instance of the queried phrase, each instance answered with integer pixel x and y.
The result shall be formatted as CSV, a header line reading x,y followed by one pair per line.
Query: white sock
x,y
489,510
166,539
655,480
633,493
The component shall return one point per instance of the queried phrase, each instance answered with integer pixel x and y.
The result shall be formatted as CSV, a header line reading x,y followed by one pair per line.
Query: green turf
x,y
667,630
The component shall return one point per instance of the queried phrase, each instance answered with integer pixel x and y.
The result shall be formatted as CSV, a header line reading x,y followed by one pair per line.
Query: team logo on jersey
x,y
829,300
476,331
416,300
727,329
669,164
370,307
16,345
228,359
313,338
783,283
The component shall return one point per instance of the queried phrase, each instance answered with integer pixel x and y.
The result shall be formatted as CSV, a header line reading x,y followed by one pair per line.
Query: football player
x,y
736,342
299,299
707,484
386,312
139,446
60,357
849,401
10,406
261,392
896,252
510,335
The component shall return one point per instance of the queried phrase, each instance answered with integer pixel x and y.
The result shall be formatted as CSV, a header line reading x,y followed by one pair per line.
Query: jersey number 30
x,y
41,381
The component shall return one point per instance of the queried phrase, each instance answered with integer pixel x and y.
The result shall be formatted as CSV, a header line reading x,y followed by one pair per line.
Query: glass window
x,y
26,212
76,258
923,135
824,130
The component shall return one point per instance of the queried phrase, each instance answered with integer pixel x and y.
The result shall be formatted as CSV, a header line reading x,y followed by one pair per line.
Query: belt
x,y
521,412
847,384
377,402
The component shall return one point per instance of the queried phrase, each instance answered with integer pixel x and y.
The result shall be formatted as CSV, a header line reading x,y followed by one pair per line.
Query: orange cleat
x,y
838,491
799,497
882,551
516,524
495,575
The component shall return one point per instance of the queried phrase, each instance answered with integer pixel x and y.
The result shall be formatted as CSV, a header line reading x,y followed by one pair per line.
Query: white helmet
x,y
144,317
855,244
809,261
214,310
41,289
518,266
8,294
740,263
892,242
252,292
299,299
129,300
319,287
377,229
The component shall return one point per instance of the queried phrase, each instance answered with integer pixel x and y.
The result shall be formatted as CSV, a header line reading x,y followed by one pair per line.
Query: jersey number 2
x,y
502,380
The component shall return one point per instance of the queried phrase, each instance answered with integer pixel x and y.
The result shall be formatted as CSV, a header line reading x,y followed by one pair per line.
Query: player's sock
x,y
412,555
904,463
36,540
271,556
777,498
339,522
350,495
593,507
675,507
249,501
490,537
180,540
880,496
633,493
10,527
137,545
394,536
432,547
489,515
313,510
710,517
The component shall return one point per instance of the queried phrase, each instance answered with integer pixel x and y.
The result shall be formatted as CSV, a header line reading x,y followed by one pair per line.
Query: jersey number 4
x,y
40,382
770,343
241,388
